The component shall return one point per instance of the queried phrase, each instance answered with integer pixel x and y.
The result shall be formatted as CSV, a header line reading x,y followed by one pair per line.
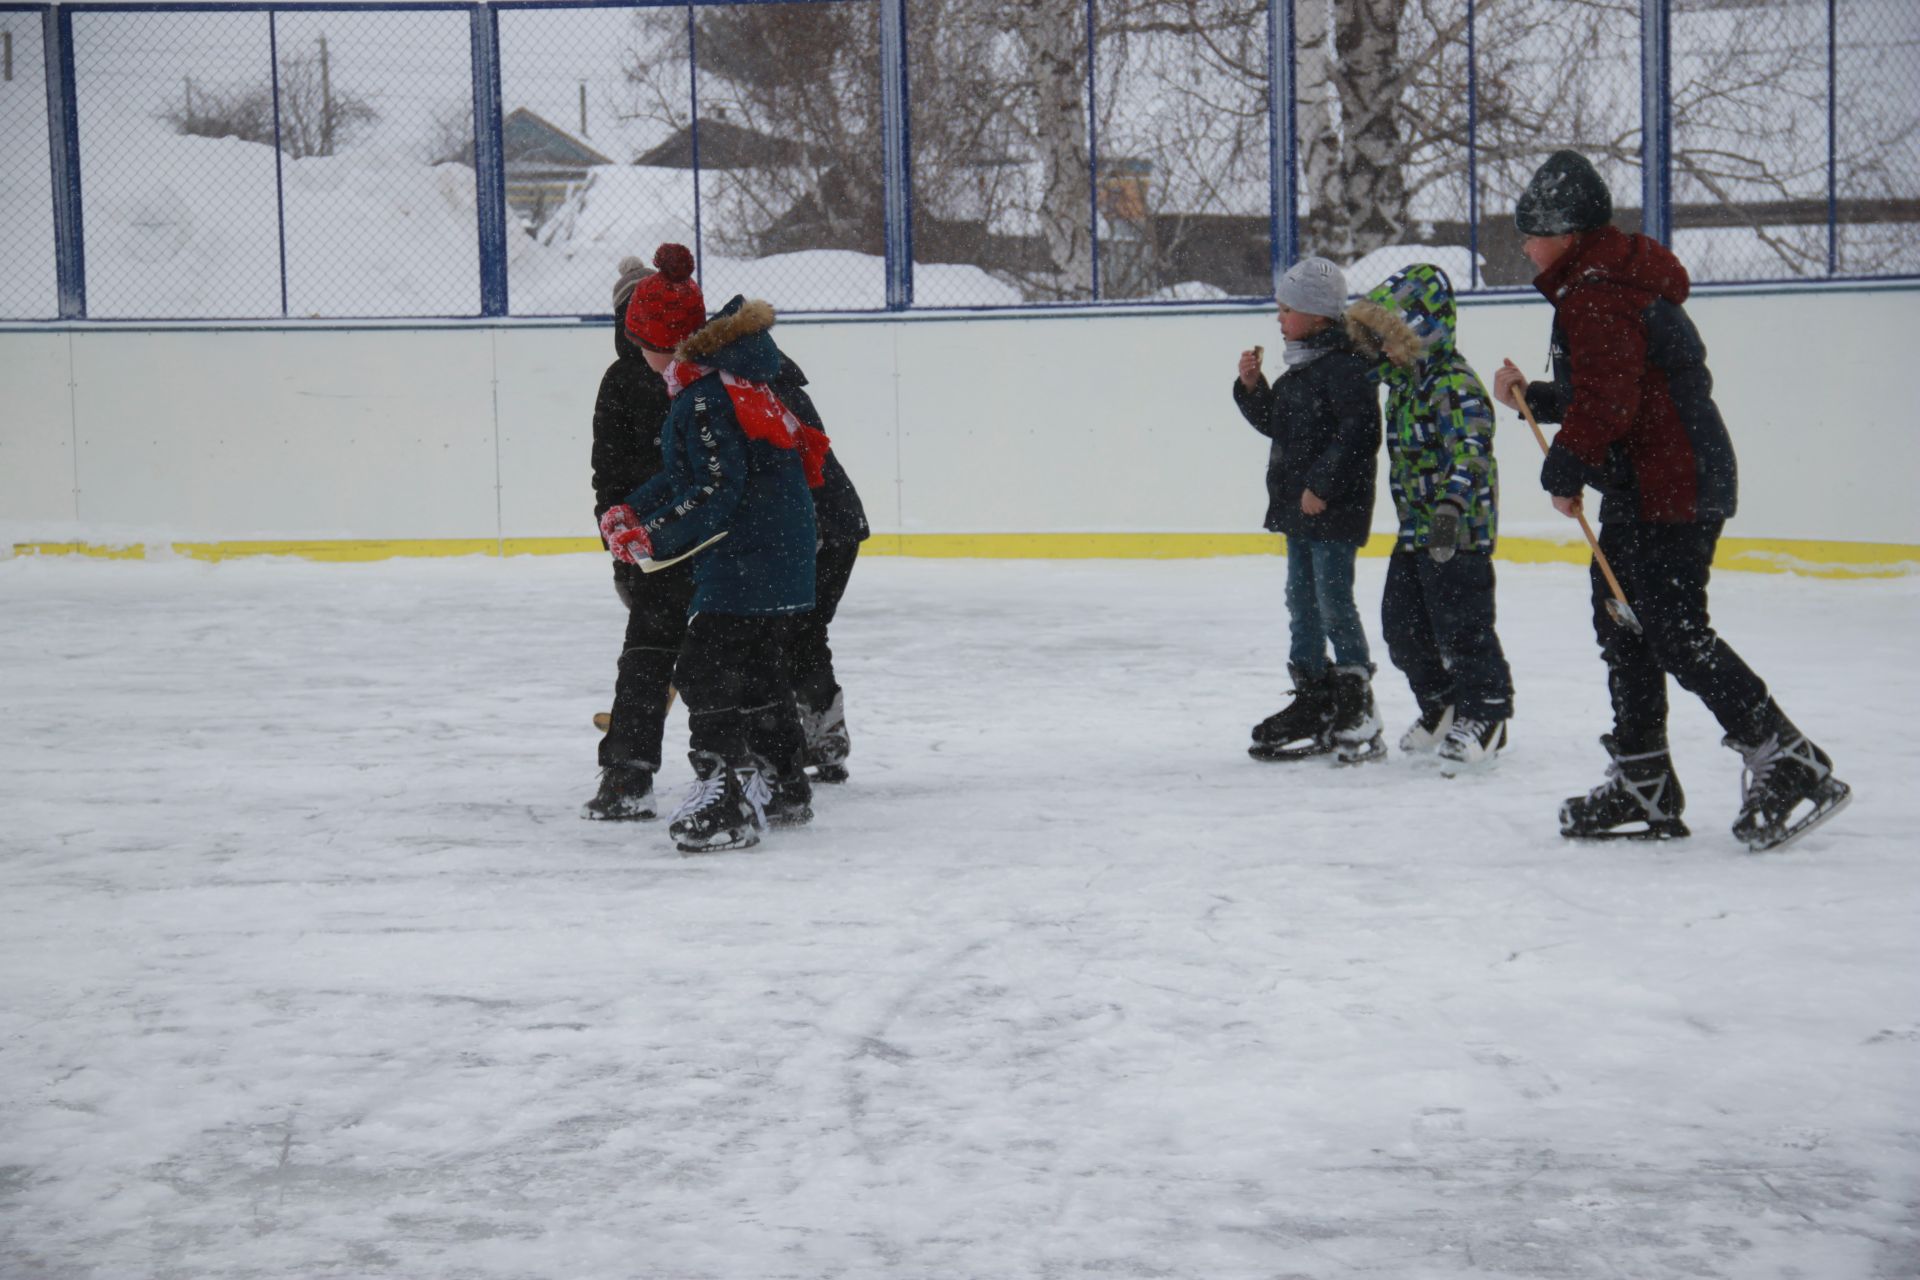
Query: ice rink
x,y
308,967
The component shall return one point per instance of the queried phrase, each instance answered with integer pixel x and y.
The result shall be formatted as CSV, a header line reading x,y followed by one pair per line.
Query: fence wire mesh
x,y
29,283
320,163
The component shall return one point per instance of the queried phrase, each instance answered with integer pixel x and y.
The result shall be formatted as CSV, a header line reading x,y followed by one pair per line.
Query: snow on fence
x,y
227,162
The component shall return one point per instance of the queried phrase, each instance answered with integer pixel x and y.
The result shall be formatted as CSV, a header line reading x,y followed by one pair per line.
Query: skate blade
x,y
1832,796
1272,755
747,841
647,814
1374,750
1676,830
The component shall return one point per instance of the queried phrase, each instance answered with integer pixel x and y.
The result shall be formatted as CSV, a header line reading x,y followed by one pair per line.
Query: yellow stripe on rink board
x,y
1754,555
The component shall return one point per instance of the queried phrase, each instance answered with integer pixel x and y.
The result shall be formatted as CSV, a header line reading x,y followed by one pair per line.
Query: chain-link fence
x,y
29,284
442,159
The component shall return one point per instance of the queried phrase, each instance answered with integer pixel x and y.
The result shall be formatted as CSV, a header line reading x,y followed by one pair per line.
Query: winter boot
x,y
1787,788
827,739
1302,727
1640,800
723,809
1423,736
1471,744
789,800
626,795
1355,721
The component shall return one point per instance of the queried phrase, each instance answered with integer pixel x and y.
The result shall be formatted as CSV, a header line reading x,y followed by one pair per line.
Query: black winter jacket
x,y
838,517
627,415
1324,421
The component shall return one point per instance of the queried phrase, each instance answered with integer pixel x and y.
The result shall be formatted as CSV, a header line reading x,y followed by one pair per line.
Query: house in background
x,y
543,163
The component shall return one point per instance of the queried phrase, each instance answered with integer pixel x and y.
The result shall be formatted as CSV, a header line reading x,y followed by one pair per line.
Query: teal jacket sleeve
x,y
715,451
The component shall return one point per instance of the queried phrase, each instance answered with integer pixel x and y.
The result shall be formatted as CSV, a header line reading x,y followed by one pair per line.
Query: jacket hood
x,y
736,341
624,348
1406,320
1611,256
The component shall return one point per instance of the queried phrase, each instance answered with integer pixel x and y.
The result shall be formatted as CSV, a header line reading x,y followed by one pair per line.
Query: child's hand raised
x,y
1250,375
1509,384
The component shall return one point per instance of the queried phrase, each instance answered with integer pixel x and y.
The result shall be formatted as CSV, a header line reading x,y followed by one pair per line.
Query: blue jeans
x,y
1320,606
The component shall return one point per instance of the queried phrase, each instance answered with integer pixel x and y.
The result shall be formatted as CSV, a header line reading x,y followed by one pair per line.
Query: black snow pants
x,y
734,679
1663,570
656,623
809,655
1438,620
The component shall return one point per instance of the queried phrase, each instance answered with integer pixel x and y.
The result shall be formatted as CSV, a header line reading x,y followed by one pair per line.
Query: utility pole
x,y
583,108
6,54
189,83
326,102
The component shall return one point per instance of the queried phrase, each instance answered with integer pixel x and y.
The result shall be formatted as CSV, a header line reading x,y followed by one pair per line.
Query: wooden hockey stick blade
x,y
1617,608
603,720
649,565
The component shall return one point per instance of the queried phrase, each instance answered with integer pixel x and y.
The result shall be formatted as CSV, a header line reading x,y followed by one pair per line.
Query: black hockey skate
x,y
1355,724
1787,789
1424,735
828,742
723,809
626,795
1471,744
789,799
1304,727
1640,800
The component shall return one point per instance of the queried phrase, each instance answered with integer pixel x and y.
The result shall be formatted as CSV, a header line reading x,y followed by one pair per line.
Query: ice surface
x,y
308,968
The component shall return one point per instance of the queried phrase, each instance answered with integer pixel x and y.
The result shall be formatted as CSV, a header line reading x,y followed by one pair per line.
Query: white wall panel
x,y
1058,423
36,434
288,434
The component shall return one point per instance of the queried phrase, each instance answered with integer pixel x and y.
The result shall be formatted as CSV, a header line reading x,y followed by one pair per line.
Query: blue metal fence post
x,y
1833,138
1283,141
279,153
63,147
1473,156
489,163
896,174
1093,158
1656,120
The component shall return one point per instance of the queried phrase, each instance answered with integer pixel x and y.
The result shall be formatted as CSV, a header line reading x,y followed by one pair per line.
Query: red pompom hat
x,y
668,305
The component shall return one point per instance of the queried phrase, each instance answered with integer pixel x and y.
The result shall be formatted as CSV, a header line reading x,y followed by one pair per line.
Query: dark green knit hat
x,y
1566,194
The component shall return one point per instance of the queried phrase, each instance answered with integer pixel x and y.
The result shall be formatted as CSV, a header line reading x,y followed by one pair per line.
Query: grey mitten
x,y
1444,536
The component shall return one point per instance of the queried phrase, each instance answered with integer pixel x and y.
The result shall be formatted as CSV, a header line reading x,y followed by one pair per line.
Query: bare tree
x,y
315,119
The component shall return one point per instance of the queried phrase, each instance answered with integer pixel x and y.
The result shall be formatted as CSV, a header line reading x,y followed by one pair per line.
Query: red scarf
x,y
761,416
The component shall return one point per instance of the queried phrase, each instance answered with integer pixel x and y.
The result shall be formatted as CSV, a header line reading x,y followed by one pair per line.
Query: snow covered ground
x,y
308,968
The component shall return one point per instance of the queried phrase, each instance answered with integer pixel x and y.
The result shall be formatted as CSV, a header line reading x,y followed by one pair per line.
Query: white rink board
x,y
1059,423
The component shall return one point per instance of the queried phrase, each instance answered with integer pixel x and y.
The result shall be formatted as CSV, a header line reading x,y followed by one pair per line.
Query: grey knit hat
x,y
1314,286
1567,194
632,272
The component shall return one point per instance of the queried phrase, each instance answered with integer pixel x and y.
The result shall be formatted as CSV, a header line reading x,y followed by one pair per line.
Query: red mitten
x,y
620,526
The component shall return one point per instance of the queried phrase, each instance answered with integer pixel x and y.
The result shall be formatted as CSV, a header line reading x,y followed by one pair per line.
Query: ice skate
x,y
1302,728
1423,736
1355,724
789,800
626,795
1640,800
1471,744
722,810
1787,789
828,742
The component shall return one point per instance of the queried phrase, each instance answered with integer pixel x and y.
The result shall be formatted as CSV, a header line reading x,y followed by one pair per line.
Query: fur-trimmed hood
x,y
736,341
1407,320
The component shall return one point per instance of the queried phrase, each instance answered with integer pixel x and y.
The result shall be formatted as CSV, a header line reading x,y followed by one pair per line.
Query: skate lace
x,y
1468,732
1759,763
702,793
1648,795
758,793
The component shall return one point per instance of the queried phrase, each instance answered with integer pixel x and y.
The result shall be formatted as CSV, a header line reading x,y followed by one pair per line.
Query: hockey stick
x,y
1617,608
603,720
